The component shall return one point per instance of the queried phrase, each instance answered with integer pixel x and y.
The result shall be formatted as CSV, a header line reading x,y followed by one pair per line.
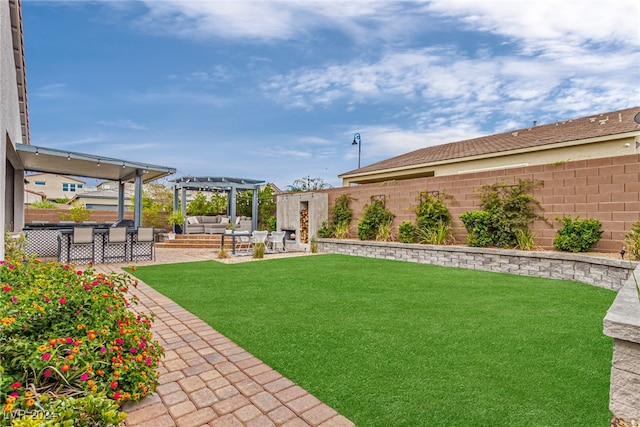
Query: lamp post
x,y
356,141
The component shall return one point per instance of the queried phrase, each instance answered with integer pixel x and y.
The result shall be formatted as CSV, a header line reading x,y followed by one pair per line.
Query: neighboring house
x,y
55,186
33,197
592,137
14,117
106,200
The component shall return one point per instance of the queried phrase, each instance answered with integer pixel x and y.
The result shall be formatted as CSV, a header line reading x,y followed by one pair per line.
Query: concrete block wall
x,y
607,189
52,216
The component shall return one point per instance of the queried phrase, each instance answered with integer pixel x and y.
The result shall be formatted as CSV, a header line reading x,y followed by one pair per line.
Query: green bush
x,y
407,232
199,205
431,213
508,209
340,220
438,234
71,333
478,226
375,215
632,240
577,235
324,231
43,204
77,213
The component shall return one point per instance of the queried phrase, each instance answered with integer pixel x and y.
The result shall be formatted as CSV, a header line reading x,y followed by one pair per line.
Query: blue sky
x,y
276,90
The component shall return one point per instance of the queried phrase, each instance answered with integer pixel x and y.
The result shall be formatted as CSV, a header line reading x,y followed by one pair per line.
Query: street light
x,y
356,141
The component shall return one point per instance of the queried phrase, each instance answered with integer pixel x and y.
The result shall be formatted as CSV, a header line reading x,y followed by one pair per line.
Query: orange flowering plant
x,y
69,332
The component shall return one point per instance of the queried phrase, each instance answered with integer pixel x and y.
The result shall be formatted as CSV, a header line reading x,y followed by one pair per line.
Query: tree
x,y
308,184
266,206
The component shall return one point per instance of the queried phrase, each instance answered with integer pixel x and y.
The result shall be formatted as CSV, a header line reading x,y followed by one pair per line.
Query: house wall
x,y
11,185
53,186
607,189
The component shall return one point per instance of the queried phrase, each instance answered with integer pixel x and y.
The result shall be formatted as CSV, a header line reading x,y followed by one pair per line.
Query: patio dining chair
x,y
82,245
143,245
115,245
276,238
258,237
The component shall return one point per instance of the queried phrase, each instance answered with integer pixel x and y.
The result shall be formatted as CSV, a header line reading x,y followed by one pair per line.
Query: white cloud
x,y
123,123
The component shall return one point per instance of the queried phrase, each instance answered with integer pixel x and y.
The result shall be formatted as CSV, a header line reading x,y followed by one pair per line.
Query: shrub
x,y
258,250
577,235
508,210
407,232
43,204
478,226
341,231
77,213
384,233
340,221
375,215
324,231
632,240
71,333
525,239
437,234
199,205
14,246
431,213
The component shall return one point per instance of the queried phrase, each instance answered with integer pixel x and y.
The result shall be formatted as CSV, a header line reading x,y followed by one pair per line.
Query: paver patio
x,y
206,379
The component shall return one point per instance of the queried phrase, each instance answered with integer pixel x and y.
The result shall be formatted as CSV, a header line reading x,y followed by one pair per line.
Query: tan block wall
x,y
607,189
52,216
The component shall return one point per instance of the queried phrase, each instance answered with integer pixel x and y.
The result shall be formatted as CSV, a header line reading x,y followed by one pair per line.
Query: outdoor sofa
x,y
214,224
201,224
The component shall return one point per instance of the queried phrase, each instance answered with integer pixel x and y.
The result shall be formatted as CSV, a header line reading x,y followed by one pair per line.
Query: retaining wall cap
x,y
623,317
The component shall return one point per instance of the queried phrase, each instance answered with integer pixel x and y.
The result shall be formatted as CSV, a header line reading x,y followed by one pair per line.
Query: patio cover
x,y
64,162
219,184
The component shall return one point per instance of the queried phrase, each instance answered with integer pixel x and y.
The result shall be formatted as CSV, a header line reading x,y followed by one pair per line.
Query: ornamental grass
x,y
70,346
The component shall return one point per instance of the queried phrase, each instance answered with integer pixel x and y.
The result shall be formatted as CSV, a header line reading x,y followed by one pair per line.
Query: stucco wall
x,y
607,189
10,131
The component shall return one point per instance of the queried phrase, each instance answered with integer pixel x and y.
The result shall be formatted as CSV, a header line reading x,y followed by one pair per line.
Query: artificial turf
x,y
390,343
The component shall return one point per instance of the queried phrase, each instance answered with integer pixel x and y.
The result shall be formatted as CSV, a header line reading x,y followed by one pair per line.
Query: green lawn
x,y
390,343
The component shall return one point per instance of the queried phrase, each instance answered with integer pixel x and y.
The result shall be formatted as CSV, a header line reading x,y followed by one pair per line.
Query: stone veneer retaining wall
x,y
622,321
606,273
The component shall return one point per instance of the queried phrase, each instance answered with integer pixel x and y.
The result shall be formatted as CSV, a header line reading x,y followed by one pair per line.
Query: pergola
x,y
63,162
218,184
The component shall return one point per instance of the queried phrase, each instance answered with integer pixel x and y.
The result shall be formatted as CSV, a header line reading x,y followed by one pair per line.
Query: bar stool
x,y
82,240
116,238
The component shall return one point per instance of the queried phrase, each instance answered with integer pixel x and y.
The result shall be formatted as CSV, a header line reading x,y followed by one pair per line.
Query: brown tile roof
x,y
612,123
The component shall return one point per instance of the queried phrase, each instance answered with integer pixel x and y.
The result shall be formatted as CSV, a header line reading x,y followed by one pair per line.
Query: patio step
x,y
193,241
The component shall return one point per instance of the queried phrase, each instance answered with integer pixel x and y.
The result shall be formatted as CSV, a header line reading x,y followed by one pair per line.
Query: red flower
x,y
46,356
84,376
114,385
6,288
62,300
16,385
47,373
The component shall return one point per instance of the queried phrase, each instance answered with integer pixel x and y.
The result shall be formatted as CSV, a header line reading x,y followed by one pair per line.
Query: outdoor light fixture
x,y
98,163
356,141
123,166
37,152
68,156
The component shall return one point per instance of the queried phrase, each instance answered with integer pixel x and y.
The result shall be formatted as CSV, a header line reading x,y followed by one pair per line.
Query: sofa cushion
x,y
192,220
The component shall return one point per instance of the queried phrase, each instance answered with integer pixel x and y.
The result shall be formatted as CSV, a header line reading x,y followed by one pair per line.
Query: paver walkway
x,y
206,379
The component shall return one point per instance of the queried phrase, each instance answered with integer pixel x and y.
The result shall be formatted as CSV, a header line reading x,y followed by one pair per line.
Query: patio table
x,y
233,234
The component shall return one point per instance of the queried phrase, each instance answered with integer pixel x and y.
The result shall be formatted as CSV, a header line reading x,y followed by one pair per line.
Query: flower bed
x,y
70,347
